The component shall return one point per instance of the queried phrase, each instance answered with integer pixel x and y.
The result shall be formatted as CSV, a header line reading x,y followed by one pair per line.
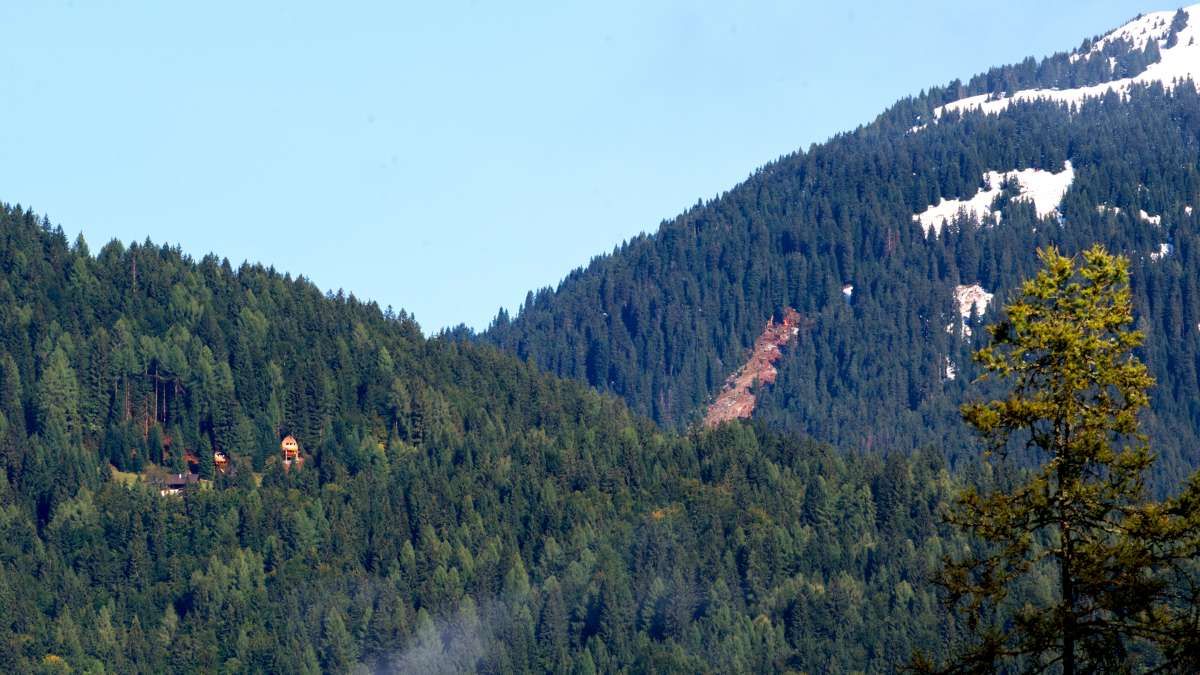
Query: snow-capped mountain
x,y
896,245
1178,44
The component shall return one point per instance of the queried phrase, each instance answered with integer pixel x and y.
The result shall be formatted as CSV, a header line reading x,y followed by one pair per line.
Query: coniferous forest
x,y
455,508
540,497
665,318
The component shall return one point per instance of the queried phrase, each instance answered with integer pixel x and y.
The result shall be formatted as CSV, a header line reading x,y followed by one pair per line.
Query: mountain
x,y
214,468
447,508
876,237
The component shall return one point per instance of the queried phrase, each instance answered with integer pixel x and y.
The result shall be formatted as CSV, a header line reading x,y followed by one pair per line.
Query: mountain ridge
x,y
1172,35
460,507
662,320
455,508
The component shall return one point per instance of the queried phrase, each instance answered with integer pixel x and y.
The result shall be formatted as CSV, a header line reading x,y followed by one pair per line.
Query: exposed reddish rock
x,y
736,399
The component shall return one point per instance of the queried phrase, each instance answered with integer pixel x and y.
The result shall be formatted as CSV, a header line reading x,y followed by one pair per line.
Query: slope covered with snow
x,y
1045,189
1179,63
1138,33
1164,250
979,207
970,298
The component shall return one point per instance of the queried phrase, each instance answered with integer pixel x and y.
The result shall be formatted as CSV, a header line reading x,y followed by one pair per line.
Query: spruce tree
x,y
1081,518
339,649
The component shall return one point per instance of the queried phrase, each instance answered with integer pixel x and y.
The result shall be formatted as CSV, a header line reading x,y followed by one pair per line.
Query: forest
x,y
456,508
666,317
540,497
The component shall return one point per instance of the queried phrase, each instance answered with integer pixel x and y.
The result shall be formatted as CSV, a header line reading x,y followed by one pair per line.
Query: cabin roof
x,y
178,480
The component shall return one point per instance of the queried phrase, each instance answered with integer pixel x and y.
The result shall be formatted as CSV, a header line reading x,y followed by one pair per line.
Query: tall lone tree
x,y
1120,602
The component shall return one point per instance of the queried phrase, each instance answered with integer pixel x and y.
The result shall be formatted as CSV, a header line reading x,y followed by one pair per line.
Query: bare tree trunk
x,y
155,392
1068,591
1065,568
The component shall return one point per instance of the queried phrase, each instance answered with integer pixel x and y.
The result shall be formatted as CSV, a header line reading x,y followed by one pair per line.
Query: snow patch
x,y
1163,251
1153,220
848,290
951,371
1105,208
1187,210
970,296
1178,64
978,207
1043,188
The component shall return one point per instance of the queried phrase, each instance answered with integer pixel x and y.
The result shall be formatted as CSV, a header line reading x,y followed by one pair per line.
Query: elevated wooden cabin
x,y
291,451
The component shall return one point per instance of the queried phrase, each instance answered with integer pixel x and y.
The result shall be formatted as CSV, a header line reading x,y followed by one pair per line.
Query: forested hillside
x,y
455,508
833,232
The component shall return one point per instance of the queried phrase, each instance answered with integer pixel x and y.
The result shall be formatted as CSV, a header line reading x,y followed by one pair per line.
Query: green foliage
x,y
664,319
456,506
1075,393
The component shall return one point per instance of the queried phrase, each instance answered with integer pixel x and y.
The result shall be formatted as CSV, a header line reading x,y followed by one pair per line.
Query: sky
x,y
447,157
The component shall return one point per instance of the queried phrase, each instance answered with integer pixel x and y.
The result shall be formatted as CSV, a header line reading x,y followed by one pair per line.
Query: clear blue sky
x,y
446,157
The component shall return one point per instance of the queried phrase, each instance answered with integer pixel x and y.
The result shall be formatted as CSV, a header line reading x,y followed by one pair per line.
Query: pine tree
x,y
1178,23
12,435
1082,517
339,652
58,396
208,466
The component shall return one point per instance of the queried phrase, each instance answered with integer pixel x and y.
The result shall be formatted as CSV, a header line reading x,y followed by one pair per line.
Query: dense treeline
x,y
1089,64
1086,65
456,509
666,317
1124,597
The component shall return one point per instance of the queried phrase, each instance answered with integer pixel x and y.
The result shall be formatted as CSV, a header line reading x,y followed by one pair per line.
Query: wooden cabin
x,y
291,451
176,483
